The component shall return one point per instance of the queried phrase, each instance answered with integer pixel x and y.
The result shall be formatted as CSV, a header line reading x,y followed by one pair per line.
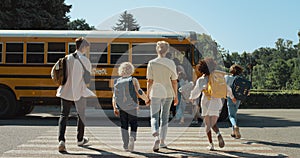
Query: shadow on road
x,y
247,120
244,154
274,144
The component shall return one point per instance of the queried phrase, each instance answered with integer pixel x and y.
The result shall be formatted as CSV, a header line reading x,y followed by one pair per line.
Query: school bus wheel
x,y
24,109
7,103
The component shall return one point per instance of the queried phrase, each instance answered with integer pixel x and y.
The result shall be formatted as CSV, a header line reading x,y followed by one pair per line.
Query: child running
x,y
125,103
210,106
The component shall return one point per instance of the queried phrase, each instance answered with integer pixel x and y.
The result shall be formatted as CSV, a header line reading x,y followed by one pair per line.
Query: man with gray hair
x,y
161,89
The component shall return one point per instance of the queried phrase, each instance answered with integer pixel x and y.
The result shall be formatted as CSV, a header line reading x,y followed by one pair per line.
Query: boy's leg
x,y
133,123
80,108
124,128
231,112
64,114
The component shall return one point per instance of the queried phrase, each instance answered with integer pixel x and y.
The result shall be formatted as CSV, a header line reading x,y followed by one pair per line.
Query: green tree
x,y
126,23
259,77
33,14
79,24
278,75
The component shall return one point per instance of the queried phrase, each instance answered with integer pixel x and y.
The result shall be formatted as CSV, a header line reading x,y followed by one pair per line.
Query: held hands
x,y
148,101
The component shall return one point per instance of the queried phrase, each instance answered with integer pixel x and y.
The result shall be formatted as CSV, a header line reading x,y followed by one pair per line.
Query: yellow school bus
x,y
27,56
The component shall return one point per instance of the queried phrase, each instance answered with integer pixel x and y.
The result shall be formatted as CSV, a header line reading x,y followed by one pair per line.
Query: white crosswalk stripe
x,y
106,141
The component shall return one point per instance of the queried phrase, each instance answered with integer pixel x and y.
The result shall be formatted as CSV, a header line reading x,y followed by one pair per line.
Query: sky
x,y
236,25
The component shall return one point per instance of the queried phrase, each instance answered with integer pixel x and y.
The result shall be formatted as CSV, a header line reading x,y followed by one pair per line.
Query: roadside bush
x,y
272,99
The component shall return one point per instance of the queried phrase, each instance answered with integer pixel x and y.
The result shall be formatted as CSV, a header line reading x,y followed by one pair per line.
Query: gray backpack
x,y
125,94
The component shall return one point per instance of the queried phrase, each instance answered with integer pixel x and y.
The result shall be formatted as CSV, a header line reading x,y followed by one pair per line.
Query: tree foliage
x,y
126,22
79,24
32,14
275,68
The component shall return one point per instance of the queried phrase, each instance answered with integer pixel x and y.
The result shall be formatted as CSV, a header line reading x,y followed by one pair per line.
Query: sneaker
x,y
163,146
232,135
84,141
126,149
221,141
61,146
210,147
237,133
194,122
156,146
155,134
131,144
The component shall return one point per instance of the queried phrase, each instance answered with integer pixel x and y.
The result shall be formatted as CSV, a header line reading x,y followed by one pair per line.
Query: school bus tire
x,y
7,103
24,109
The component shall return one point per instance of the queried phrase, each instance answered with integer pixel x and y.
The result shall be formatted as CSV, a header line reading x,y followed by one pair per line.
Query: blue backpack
x,y
125,94
240,88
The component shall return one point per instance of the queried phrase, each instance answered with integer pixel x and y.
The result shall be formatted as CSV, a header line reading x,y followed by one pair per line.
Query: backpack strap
x,y
77,57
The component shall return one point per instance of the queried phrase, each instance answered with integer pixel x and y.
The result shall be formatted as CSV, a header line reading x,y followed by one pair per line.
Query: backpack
x,y
125,94
59,71
240,88
216,86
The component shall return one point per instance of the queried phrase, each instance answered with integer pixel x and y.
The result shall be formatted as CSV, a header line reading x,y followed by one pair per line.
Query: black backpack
x,y
240,88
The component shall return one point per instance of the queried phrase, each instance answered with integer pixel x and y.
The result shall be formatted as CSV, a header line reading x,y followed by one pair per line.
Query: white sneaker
x,y
210,147
131,144
61,146
156,145
84,141
163,146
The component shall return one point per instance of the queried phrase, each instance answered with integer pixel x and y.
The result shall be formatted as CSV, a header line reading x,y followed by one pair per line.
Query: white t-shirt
x,y
75,88
162,71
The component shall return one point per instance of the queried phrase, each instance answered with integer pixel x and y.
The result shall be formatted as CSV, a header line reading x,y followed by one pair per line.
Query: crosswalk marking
x,y
106,141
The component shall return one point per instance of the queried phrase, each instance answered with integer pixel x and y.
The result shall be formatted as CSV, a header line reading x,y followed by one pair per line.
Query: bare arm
x,y
175,87
139,91
114,104
149,87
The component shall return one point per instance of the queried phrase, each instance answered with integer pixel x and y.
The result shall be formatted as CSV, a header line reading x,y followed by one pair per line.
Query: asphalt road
x,y
274,128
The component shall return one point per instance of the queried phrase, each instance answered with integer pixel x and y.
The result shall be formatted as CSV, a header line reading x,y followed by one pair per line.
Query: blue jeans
x,y
180,108
232,110
160,110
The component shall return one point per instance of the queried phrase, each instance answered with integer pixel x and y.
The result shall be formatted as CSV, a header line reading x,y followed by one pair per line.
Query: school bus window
x,y
72,48
56,50
14,52
35,52
142,53
98,53
119,53
0,52
180,51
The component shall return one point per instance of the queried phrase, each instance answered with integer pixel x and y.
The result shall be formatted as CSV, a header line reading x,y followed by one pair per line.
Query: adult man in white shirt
x,y
161,89
74,92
